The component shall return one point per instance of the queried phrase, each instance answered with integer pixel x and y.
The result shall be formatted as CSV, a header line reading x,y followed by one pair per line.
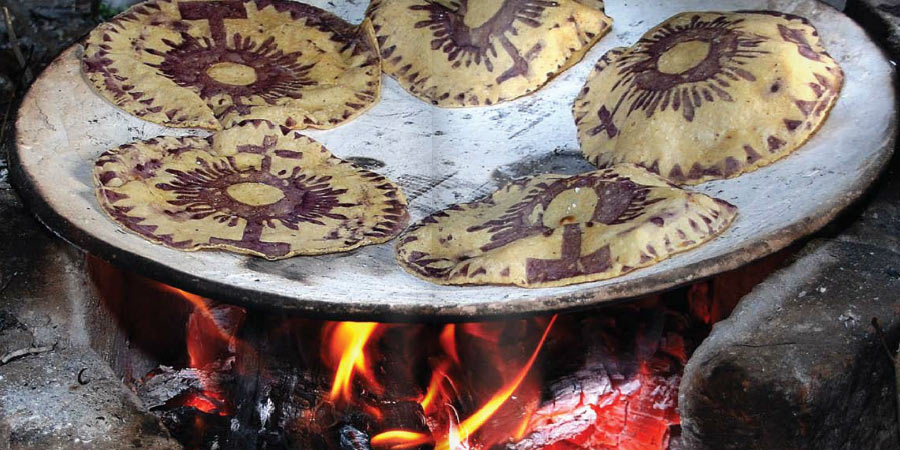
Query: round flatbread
x,y
250,189
557,230
707,96
215,64
456,53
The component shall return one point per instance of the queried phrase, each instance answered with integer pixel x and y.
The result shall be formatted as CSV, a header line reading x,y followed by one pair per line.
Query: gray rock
x,y
119,5
798,365
881,18
66,396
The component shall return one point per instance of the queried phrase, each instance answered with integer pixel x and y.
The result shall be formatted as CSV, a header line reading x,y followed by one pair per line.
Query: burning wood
x,y
607,380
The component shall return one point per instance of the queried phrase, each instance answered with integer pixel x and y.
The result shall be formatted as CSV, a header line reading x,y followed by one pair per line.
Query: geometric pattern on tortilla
x,y
456,53
214,64
557,230
251,189
708,96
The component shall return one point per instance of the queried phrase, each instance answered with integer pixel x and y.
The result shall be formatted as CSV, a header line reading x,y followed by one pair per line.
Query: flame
x,y
487,331
206,326
448,342
478,368
454,440
437,379
523,427
200,304
475,421
207,342
349,339
399,439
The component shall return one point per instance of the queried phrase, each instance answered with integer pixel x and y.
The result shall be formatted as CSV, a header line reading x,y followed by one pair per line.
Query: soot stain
x,y
303,269
560,161
366,163
285,268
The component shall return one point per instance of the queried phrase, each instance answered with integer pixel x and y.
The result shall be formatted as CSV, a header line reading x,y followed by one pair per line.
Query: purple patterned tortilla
x,y
557,230
214,64
709,95
251,189
456,53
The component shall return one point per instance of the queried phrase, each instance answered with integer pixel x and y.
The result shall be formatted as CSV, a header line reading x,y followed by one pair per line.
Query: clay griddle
x,y
441,157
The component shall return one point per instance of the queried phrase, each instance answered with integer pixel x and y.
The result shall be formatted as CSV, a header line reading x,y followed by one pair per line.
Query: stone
x,y
880,17
798,364
879,223
47,301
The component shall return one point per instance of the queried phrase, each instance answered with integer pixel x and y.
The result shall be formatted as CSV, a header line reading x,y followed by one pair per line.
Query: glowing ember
x,y
606,380
208,402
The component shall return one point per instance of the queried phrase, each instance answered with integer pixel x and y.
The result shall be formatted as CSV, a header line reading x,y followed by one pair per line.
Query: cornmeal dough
x,y
707,96
250,189
215,64
455,53
556,230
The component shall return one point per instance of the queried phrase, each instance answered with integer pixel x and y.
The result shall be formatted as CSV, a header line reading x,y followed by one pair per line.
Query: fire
x,y
523,426
210,338
475,421
455,441
400,439
208,402
207,336
448,342
349,339
468,386
458,434
434,387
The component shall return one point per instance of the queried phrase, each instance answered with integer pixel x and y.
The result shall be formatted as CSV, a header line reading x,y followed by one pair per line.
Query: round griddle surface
x,y
441,157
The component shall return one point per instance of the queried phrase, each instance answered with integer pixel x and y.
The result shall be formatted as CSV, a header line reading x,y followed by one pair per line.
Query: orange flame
x,y
207,338
523,427
438,377
448,342
208,325
349,340
475,421
489,332
399,439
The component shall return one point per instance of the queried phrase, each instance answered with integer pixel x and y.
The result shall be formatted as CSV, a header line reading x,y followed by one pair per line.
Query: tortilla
x,y
557,230
707,96
455,53
215,64
250,189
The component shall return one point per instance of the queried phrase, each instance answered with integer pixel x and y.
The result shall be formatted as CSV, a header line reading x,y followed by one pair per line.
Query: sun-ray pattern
x,y
457,53
708,95
554,230
250,189
648,89
215,64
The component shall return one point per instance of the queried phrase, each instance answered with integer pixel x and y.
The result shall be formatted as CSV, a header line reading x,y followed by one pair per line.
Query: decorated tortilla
x,y
455,53
250,189
215,64
707,96
556,230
